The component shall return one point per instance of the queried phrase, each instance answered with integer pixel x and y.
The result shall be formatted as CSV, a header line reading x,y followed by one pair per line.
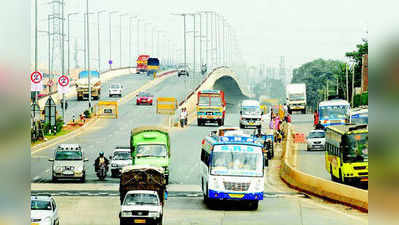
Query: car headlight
x,y
78,168
114,165
126,213
153,214
59,169
259,186
46,221
214,184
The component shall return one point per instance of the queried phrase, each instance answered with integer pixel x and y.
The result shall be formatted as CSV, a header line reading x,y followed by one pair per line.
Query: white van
x,y
251,114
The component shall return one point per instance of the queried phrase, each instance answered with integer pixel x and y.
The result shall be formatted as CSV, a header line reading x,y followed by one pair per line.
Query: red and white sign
x,y
63,84
50,83
36,79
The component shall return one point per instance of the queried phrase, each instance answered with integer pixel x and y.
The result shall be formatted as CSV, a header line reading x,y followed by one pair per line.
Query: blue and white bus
x,y
333,112
232,169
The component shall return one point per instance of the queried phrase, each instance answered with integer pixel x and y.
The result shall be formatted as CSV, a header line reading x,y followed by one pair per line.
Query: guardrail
x,y
337,192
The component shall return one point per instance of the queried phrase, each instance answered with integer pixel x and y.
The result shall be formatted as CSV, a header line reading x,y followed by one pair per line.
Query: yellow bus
x,y
346,154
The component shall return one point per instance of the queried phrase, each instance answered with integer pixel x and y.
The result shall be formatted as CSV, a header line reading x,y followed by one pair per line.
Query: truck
x,y
82,85
152,66
142,195
142,63
211,107
250,114
150,145
296,97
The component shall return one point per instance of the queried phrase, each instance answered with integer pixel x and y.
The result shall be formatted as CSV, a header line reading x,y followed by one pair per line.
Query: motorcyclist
x,y
319,126
101,159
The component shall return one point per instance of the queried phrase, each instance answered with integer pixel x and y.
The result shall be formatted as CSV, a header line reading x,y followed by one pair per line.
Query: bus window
x,y
355,148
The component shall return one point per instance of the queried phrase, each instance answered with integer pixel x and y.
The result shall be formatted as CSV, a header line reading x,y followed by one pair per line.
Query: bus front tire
x,y
253,205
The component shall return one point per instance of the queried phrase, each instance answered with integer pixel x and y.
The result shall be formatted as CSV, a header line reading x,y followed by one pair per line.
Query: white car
x,y
141,206
316,140
120,157
44,210
115,89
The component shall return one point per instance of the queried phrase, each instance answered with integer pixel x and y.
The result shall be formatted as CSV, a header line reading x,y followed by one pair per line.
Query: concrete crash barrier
x,y
337,192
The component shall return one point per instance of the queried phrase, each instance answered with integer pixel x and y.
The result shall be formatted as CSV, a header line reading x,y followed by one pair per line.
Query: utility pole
x,y
194,62
138,38
347,86
63,56
185,44
49,49
200,42
36,44
98,39
88,51
110,37
69,42
120,40
353,84
327,93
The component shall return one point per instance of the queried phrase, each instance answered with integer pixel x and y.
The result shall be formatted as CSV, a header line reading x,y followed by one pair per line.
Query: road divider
x,y
125,99
337,192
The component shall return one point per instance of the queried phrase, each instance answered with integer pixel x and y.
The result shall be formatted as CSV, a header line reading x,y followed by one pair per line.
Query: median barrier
x,y
337,192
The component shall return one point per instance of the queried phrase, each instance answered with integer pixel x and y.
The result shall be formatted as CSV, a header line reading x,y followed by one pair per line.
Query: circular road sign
x,y
50,83
110,62
36,77
63,81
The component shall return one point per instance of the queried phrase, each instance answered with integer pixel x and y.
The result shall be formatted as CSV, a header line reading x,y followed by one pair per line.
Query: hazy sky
x,y
266,29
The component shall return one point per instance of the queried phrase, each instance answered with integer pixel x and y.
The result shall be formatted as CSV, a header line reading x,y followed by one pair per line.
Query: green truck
x,y
150,146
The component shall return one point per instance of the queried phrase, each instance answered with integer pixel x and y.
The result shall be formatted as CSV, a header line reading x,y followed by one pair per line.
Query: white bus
x,y
232,169
333,112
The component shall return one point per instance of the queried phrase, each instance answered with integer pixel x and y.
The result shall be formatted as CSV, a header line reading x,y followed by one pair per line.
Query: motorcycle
x,y
102,171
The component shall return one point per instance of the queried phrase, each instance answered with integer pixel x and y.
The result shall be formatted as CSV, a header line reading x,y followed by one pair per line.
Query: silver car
x,y
316,140
120,158
68,163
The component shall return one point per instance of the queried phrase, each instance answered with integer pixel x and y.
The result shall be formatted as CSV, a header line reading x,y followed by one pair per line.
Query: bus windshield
x,y
297,97
237,160
337,112
356,148
360,119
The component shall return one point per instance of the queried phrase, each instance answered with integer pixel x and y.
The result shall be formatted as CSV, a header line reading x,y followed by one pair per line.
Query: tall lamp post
x,y
98,39
110,37
120,39
69,39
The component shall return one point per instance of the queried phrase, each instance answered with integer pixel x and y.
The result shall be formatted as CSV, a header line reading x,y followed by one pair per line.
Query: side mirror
x,y
86,160
51,160
110,157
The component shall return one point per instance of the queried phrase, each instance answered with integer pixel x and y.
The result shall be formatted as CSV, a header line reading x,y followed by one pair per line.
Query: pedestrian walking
x,y
183,117
315,118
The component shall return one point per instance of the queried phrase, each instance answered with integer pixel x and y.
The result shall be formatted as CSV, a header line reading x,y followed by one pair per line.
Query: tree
x,y
356,57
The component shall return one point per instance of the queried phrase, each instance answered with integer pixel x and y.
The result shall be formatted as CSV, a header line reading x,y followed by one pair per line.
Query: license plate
x,y
68,173
139,221
34,224
209,117
251,123
236,195
364,179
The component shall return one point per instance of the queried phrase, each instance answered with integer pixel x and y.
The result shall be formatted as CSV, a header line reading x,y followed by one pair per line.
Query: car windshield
x,y
115,86
144,94
68,155
237,160
356,148
333,112
297,97
216,101
250,110
317,135
122,155
40,205
151,151
141,199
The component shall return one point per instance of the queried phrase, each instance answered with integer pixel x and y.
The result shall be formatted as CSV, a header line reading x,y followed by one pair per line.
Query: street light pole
x,y
63,57
120,40
69,42
98,39
88,52
110,37
36,59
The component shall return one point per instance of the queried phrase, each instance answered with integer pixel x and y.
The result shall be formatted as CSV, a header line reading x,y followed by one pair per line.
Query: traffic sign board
x,y
63,81
50,83
63,84
110,62
36,79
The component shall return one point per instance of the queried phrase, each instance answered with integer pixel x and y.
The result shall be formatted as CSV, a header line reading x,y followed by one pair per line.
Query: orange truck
x,y
211,107
142,61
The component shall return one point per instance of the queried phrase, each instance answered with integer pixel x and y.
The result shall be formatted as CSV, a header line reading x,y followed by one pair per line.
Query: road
x,y
310,162
282,205
105,135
